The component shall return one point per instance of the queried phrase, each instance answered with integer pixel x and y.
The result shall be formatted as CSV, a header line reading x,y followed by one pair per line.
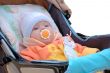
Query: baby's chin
x,y
47,41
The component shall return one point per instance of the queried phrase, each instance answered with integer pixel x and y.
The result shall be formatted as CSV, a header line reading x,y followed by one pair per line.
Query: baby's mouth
x,y
45,33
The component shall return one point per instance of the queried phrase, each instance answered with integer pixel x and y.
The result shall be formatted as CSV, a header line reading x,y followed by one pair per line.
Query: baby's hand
x,y
69,46
68,42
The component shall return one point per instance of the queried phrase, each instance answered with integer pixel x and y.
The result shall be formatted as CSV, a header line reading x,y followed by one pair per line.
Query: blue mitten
x,y
91,63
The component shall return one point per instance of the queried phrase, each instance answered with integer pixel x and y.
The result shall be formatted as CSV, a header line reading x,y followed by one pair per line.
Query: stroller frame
x,y
8,57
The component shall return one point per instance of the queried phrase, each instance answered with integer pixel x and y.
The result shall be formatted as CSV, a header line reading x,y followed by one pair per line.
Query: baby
x,y
42,42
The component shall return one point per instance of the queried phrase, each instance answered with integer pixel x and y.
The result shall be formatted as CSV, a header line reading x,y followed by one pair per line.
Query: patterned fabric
x,y
52,51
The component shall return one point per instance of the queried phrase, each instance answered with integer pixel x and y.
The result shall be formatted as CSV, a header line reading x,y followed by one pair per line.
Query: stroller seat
x,y
11,19
10,35
9,25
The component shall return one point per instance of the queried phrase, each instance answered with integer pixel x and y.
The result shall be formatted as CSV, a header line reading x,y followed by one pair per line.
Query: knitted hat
x,y
30,20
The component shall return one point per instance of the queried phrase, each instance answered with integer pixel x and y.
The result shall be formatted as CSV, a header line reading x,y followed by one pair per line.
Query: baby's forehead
x,y
42,23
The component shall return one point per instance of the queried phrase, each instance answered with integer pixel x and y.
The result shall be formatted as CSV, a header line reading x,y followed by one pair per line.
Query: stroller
x,y
12,62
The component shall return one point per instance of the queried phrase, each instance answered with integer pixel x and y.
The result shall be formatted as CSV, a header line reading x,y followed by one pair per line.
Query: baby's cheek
x,y
35,34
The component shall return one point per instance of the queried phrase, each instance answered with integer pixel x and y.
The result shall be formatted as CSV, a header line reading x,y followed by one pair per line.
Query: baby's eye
x,y
36,28
46,25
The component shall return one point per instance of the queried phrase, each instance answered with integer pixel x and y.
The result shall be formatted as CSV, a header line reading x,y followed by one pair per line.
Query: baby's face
x,y
43,32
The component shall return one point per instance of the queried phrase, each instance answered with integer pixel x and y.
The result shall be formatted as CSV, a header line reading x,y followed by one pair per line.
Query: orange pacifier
x,y
45,33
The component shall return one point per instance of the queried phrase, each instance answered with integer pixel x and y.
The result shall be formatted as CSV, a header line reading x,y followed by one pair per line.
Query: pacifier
x,y
45,33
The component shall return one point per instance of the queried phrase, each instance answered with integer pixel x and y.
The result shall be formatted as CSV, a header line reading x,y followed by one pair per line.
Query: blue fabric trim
x,y
91,63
